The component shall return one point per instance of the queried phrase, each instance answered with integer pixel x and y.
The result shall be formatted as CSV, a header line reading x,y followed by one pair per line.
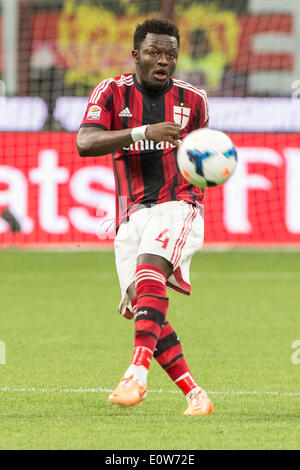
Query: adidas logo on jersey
x,y
125,113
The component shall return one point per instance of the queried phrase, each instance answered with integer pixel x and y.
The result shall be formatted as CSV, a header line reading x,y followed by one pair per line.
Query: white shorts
x,y
173,230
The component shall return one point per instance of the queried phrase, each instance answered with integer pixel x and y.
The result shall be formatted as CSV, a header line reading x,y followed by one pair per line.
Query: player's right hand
x,y
164,131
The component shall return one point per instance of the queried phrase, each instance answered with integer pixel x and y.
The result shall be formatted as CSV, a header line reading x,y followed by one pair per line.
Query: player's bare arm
x,y
92,141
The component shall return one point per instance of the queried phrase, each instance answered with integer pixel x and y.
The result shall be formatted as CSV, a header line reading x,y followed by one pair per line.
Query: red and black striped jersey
x,y
146,172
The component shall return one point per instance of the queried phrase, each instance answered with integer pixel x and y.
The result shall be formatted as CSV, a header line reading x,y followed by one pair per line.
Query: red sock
x,y
169,355
151,309
141,356
133,304
186,383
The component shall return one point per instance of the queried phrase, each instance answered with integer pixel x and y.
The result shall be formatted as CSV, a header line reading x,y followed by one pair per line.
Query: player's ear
x,y
135,55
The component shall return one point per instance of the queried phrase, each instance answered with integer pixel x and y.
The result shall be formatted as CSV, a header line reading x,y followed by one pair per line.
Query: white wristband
x,y
138,133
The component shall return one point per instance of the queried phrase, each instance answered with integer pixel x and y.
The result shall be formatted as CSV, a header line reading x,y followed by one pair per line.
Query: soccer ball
x,y
207,158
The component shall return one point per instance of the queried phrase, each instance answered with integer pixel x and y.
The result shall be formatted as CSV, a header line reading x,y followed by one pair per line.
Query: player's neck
x,y
140,84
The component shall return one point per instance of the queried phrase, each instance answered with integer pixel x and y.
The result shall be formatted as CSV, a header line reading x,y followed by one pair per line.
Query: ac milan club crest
x,y
181,115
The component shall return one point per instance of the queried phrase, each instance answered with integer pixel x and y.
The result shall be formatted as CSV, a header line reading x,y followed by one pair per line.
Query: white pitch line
x,y
106,390
232,276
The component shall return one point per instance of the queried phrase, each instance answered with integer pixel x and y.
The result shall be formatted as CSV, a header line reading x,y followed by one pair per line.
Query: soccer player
x,y
140,119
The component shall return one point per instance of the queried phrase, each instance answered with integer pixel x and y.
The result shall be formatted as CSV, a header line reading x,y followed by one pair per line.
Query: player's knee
x,y
157,262
150,280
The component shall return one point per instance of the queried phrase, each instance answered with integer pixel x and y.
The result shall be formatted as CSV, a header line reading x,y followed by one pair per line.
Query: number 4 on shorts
x,y
163,238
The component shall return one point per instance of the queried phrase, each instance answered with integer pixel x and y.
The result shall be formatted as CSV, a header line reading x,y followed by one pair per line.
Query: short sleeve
x,y
204,116
98,111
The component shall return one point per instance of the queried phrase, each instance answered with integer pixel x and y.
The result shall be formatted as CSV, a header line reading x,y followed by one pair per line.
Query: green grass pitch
x,y
67,347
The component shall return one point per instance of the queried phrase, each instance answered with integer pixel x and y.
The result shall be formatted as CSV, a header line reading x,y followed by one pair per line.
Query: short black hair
x,y
157,26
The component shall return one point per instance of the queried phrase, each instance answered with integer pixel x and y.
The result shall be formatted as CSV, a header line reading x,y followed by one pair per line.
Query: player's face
x,y
156,60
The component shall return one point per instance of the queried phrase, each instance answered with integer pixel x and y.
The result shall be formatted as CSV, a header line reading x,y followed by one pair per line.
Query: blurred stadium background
x,y
245,53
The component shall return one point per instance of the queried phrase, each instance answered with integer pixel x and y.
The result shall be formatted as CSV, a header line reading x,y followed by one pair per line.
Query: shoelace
x,y
198,397
126,382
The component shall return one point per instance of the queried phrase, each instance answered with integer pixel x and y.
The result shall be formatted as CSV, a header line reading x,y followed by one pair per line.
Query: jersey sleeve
x,y
204,116
98,111
200,110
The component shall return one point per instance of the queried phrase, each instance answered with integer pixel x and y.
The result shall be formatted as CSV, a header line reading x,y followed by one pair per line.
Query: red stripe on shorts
x,y
181,240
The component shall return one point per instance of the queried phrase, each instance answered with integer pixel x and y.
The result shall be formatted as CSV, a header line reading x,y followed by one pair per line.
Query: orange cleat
x,y
199,404
128,393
